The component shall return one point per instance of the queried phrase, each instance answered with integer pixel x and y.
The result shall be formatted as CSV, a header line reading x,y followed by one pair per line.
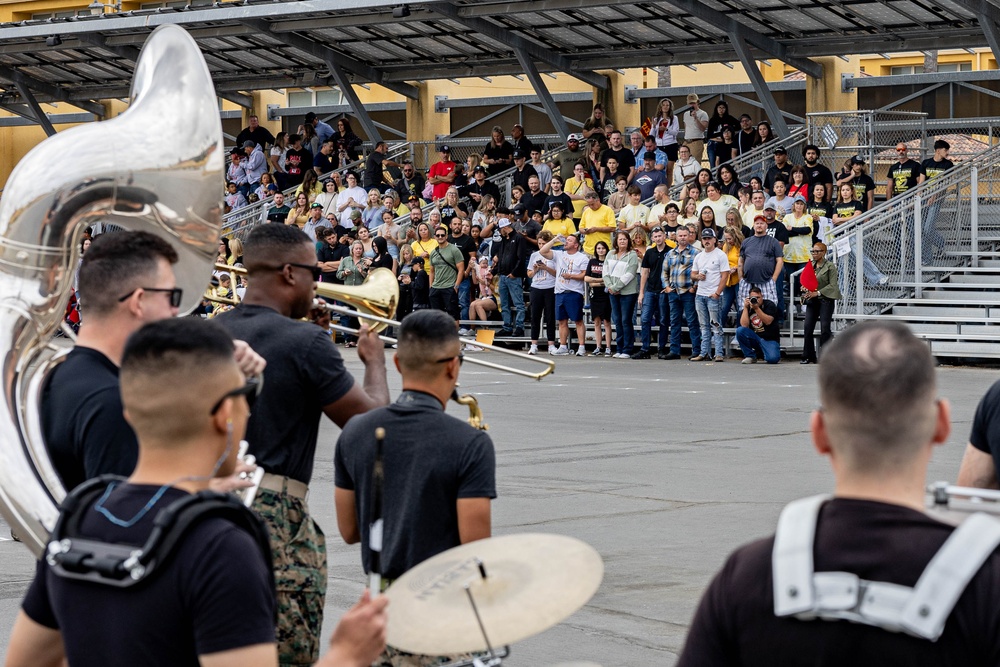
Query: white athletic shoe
x,y
580,352
552,349
561,351
533,349
466,332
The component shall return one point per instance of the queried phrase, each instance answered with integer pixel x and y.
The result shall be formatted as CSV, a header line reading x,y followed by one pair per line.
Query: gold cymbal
x,y
533,581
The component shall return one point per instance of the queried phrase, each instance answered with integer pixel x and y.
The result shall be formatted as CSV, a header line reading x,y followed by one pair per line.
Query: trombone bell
x,y
378,295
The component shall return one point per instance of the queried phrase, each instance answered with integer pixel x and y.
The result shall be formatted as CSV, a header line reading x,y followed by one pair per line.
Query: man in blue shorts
x,y
571,266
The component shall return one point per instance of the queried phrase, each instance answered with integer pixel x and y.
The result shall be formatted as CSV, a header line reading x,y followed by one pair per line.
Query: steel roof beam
x,y
52,91
551,108
36,110
347,90
760,86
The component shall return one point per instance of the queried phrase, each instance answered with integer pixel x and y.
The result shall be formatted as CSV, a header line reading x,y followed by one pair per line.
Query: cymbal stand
x,y
492,658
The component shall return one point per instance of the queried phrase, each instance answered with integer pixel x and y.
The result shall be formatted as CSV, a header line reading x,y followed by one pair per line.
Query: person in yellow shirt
x,y
577,188
596,223
558,224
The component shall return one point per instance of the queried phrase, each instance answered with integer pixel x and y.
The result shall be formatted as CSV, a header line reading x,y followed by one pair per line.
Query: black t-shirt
x,y
504,151
595,269
735,622
819,209
652,259
904,175
932,168
770,331
487,188
862,185
81,414
521,176
745,141
448,212
328,253
465,244
562,198
536,202
213,595
304,373
776,173
296,163
985,434
261,136
325,163
626,160
431,460
848,210
278,214
373,176
778,231
818,173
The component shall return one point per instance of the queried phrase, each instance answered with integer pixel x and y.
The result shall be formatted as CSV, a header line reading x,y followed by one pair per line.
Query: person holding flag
x,y
820,293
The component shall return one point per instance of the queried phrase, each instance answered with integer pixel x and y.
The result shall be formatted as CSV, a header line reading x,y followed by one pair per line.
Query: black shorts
x,y
600,308
671,151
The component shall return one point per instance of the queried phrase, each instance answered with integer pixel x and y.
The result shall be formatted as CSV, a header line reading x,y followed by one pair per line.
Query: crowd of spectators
x,y
455,244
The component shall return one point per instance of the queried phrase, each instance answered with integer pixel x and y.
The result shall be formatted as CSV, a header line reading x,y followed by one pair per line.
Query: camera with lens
x,y
754,300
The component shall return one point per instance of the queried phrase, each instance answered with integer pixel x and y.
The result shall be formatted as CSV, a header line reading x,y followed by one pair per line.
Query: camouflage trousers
x,y
299,550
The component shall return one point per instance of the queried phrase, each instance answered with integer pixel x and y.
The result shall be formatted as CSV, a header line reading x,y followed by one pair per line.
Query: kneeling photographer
x,y
759,333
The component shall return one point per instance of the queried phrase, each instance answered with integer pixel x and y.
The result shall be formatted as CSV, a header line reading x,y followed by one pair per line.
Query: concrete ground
x,y
664,467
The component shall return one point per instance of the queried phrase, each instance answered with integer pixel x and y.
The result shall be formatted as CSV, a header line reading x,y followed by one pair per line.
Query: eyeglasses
x,y
312,268
460,356
440,236
176,294
251,390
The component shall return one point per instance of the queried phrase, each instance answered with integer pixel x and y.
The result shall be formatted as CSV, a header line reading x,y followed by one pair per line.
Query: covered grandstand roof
x,y
252,45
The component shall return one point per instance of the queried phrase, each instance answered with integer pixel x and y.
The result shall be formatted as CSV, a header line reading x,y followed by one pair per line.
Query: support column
x,y
613,98
827,94
352,98
36,109
551,108
759,85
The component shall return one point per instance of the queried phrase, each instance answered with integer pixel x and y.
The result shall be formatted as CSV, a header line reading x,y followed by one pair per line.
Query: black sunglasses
x,y
312,268
460,356
176,294
251,390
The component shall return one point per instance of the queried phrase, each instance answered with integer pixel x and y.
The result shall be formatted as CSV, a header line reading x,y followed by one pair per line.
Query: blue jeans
x,y
711,325
623,315
682,305
779,287
754,346
464,294
655,308
873,274
930,237
728,299
512,299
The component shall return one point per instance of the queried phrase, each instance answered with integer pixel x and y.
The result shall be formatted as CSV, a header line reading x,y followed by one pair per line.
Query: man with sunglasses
x,y
126,280
904,174
306,380
210,603
440,472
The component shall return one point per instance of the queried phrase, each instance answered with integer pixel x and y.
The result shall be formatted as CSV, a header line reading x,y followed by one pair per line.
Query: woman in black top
x,y
726,150
347,143
499,153
846,206
729,181
600,302
382,257
720,119
819,208
764,133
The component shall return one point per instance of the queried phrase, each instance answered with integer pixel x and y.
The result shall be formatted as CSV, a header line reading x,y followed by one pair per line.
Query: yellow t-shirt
x,y
734,260
797,248
575,187
602,217
557,227
421,247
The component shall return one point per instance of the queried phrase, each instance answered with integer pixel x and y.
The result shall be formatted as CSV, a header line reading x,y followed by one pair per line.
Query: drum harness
x,y
920,611
124,565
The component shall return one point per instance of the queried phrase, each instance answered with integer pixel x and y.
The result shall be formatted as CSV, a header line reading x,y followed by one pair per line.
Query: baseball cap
x,y
355,215
479,169
249,144
780,150
537,212
316,204
857,159
708,233
518,154
768,206
573,137
413,198
504,222
519,208
444,148
649,155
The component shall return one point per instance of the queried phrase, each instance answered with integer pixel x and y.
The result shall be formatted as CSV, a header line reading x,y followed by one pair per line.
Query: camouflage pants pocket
x,y
299,549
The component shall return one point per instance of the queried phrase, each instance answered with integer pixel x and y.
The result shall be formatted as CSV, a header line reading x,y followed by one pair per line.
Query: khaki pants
x,y
697,148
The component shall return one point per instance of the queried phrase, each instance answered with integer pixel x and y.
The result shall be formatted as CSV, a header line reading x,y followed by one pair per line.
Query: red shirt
x,y
441,169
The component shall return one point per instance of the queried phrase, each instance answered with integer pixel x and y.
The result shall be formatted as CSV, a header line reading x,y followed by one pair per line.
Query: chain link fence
x,y
896,251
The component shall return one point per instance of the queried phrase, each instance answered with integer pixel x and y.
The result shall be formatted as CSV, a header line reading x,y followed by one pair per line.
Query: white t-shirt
x,y
712,264
567,263
359,195
542,278
691,129
280,152
720,207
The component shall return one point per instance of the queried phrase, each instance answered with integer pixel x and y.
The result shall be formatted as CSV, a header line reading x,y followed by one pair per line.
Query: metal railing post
x,y
918,255
859,271
975,217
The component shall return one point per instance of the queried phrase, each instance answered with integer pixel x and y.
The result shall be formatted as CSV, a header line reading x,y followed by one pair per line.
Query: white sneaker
x,y
533,349
466,332
471,348
561,351
580,352
620,355
552,349
607,352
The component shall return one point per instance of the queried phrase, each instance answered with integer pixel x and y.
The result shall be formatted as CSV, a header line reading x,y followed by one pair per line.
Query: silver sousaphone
x,y
158,167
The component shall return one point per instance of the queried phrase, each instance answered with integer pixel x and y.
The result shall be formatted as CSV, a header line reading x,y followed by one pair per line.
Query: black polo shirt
x,y
430,460
652,259
304,374
81,412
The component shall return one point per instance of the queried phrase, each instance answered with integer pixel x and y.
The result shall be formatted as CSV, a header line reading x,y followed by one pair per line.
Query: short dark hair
x,y
116,263
382,143
156,346
941,143
422,335
757,289
269,245
877,386
811,147
633,189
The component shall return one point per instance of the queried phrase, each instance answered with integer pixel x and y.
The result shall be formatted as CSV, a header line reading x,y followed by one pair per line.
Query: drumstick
x,y
375,528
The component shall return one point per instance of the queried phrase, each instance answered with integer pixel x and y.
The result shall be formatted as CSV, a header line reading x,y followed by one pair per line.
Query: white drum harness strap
x,y
920,611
